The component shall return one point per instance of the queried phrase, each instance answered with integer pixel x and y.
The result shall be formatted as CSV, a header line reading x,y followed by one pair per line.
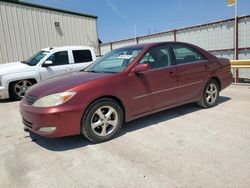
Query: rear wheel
x,y
19,88
102,120
210,95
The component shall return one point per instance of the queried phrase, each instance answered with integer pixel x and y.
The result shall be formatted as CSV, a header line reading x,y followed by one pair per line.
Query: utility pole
x,y
234,3
235,29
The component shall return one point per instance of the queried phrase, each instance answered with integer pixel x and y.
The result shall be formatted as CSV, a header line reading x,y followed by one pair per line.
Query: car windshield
x,y
33,60
115,61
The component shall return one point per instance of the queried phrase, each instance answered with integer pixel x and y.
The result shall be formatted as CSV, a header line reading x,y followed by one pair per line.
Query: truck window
x,y
82,56
59,58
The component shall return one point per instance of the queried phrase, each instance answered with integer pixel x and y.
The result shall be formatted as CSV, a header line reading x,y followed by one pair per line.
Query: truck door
x,y
59,66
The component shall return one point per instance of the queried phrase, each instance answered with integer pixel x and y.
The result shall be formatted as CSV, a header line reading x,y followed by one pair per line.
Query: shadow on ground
x,y
73,142
7,101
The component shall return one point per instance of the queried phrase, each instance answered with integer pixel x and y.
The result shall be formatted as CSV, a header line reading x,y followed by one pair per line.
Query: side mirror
x,y
141,68
47,63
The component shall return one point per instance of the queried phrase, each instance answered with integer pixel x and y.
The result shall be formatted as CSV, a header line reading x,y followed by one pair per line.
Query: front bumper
x,y
66,119
4,93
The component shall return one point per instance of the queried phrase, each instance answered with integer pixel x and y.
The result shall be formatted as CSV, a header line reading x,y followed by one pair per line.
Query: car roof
x,y
152,44
148,45
60,48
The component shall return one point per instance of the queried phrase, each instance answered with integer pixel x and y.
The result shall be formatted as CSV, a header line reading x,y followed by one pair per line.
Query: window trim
x,y
82,50
189,47
53,65
168,46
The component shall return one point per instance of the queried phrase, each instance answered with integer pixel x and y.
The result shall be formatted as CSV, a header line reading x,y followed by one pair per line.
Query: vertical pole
x,y
236,39
100,51
137,40
235,30
135,32
174,35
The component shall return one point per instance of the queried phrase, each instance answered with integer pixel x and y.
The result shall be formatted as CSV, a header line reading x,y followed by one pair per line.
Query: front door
x,y
60,65
157,87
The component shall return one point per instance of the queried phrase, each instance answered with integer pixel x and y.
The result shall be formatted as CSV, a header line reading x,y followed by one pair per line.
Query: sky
x,y
122,19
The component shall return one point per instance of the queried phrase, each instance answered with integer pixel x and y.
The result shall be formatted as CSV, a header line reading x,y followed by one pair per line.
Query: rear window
x,y
186,54
82,56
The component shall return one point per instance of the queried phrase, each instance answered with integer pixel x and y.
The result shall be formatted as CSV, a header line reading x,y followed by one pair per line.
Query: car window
x,y
185,54
82,56
157,57
59,58
115,61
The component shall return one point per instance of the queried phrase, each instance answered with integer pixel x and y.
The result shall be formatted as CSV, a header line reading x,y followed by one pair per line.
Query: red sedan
x,y
123,85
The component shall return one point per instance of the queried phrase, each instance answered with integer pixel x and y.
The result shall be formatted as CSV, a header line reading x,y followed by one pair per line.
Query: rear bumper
x,y
63,120
4,93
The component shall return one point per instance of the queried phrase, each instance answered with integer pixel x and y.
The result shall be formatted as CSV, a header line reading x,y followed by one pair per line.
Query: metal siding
x,y
168,36
244,32
244,54
229,54
163,37
124,43
2,39
105,48
210,37
24,30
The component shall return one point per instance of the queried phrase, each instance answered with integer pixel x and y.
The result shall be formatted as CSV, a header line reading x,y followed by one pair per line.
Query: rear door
x,y
60,65
192,71
81,59
157,87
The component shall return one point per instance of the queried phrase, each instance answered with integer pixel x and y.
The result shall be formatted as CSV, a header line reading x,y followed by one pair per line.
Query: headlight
x,y
54,99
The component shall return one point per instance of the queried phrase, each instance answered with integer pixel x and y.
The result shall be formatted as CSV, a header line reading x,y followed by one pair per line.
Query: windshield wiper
x,y
24,62
91,71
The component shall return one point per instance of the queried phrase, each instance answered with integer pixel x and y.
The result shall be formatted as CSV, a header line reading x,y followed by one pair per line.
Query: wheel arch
x,y
33,80
217,80
116,99
119,101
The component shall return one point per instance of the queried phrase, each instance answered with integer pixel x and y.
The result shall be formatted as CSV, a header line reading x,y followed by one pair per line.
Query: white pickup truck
x,y
16,78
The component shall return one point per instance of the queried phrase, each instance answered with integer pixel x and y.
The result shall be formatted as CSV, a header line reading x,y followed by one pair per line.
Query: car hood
x,y
64,82
10,68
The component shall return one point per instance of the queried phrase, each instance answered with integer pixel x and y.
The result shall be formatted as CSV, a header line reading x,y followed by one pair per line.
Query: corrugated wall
x,y
210,37
216,37
24,30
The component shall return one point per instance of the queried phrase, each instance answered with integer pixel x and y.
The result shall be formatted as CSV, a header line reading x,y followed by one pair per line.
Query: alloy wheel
x,y
104,121
211,93
22,87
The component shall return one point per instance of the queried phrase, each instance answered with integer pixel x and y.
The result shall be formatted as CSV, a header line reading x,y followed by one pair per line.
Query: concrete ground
x,y
182,147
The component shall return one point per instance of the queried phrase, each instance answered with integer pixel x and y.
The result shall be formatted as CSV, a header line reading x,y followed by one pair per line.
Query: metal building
x,y
25,28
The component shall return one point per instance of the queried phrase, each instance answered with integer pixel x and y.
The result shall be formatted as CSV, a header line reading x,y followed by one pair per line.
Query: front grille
x,y
30,99
27,123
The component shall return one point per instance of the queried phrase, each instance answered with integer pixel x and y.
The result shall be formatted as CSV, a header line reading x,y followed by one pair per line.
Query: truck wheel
x,y
19,88
210,95
102,120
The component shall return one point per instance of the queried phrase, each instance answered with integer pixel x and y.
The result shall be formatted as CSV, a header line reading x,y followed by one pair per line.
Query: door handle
x,y
68,69
206,67
172,74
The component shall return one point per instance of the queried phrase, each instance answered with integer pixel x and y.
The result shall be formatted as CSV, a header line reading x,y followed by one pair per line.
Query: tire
x,y
19,88
102,120
210,94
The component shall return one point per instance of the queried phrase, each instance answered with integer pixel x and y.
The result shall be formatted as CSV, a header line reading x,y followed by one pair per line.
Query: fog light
x,y
47,129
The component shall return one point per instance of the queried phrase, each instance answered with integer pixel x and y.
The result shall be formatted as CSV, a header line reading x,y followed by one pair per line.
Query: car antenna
x,y
51,48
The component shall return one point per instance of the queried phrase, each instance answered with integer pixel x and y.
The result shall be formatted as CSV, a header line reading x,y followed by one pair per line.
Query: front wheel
x,y
210,95
102,120
19,88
